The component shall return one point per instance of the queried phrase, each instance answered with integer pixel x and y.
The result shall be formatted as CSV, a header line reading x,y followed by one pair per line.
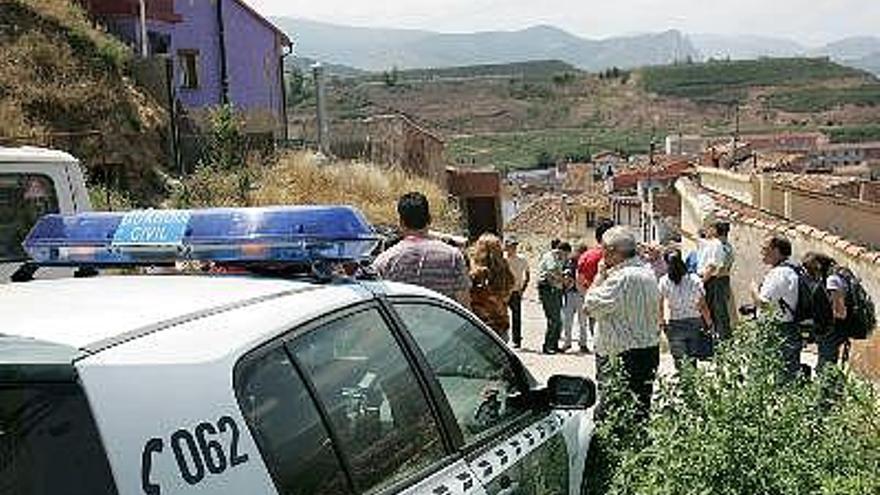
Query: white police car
x,y
196,384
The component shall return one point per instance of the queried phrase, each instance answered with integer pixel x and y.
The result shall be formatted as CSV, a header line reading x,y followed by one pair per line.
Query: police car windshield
x,y
49,443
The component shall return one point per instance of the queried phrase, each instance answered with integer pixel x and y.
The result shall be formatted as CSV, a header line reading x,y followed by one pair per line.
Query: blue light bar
x,y
298,235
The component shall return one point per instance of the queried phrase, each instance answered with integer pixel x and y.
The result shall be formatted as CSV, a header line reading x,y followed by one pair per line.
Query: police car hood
x,y
80,312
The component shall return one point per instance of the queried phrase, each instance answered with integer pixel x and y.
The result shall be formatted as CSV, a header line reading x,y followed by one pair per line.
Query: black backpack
x,y
861,315
813,307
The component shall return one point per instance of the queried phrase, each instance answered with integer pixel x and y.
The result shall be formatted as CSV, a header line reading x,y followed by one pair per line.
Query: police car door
x,y
511,448
337,409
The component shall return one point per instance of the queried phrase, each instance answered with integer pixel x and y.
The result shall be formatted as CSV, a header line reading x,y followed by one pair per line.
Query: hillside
x,y
381,49
520,122
535,69
58,75
724,81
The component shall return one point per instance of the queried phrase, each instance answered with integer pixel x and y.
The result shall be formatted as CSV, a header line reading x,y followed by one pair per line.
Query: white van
x,y
34,182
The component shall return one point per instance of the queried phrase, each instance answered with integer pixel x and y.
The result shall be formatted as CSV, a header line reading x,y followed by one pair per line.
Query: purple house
x,y
222,51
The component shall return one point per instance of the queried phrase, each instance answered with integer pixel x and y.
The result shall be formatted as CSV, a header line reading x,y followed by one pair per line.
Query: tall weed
x,y
738,427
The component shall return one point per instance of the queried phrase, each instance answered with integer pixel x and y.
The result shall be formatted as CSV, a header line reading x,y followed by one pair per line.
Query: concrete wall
x,y
840,213
751,226
856,220
737,186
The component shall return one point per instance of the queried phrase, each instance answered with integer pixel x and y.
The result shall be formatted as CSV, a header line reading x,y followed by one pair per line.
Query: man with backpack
x,y
779,293
842,308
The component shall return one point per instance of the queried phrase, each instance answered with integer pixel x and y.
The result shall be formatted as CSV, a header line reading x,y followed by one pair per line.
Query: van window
x,y
24,198
49,443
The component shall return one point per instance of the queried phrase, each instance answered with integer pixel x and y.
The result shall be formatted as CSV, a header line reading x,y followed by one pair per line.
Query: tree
x,y
391,78
296,87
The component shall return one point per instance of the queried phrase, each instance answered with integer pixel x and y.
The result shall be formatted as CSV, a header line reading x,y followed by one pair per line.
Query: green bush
x,y
738,427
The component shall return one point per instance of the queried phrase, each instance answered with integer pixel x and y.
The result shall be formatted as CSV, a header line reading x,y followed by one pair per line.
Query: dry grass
x,y
298,178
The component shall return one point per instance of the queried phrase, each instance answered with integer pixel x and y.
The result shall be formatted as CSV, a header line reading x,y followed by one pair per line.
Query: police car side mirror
x,y
571,392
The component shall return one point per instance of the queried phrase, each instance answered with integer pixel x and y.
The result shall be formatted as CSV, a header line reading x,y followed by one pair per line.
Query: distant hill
x,y
380,49
869,63
745,47
860,52
850,49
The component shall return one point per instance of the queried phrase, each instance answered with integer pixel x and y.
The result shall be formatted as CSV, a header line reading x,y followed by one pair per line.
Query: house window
x,y
189,68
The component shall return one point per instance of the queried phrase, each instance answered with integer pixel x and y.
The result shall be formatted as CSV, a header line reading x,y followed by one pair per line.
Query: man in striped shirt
x,y
625,301
420,260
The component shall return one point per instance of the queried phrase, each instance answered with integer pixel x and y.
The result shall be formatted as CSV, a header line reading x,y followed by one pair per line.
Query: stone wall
x,y
751,226
397,141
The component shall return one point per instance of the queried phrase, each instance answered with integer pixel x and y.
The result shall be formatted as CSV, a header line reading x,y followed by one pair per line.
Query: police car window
x,y
373,399
474,371
287,427
24,198
49,443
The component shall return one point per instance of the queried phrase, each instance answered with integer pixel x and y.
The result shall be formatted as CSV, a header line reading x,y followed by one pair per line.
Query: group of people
x,y
622,293
813,300
489,278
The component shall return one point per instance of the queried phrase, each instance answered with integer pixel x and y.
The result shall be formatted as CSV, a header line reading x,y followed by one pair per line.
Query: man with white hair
x,y
625,301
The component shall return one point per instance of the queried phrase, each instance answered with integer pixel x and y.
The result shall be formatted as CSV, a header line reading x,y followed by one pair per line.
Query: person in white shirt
x,y
778,294
684,313
715,260
625,300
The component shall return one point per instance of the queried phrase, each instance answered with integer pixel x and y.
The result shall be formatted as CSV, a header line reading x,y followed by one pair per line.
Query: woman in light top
x,y
685,314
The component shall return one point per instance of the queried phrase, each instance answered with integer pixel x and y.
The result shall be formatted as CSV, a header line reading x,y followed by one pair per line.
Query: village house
x,y
644,198
222,52
846,154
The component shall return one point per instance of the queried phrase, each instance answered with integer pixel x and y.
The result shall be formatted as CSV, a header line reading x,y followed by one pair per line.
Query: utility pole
x,y
145,49
733,152
323,130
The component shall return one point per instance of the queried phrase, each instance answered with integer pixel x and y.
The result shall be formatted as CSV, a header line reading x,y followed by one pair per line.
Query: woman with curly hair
x,y
491,283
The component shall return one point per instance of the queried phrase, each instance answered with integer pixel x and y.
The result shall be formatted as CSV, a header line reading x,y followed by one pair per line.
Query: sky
x,y
812,22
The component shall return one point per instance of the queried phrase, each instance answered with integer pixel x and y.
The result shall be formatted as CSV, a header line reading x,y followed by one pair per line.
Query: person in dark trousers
x,y
550,285
778,294
829,341
714,265
684,310
519,266
625,300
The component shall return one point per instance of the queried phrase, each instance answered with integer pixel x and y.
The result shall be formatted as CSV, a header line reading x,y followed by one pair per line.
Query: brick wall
x,y
751,226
